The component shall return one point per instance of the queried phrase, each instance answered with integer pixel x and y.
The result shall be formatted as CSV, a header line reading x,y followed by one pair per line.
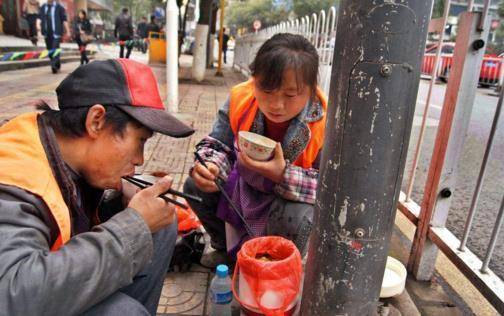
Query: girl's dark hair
x,y
281,52
71,122
83,12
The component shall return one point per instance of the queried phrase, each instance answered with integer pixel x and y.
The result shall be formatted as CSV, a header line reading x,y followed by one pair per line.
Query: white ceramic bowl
x,y
394,278
256,146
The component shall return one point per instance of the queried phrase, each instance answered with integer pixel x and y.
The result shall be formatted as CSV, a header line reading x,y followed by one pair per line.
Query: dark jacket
x,y
123,26
153,27
81,25
59,17
142,30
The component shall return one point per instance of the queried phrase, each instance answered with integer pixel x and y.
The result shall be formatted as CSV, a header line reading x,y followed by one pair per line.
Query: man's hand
x,y
154,210
204,178
272,169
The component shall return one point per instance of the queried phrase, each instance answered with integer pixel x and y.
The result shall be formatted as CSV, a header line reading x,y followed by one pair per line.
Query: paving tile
x,y
184,293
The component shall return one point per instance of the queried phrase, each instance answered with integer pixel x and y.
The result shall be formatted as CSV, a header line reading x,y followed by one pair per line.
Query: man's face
x,y
112,156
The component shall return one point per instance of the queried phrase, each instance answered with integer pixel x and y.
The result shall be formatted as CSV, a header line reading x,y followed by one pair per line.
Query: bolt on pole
x,y
375,77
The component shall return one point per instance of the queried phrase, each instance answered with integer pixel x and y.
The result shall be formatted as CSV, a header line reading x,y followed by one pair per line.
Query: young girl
x,y
281,101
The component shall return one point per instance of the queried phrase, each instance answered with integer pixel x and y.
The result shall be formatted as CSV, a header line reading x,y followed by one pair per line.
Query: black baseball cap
x,y
129,85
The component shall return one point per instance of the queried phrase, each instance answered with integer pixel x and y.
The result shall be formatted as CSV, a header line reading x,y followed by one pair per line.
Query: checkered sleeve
x,y
299,184
213,150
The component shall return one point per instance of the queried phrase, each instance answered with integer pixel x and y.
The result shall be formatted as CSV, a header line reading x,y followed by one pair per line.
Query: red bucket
x,y
270,276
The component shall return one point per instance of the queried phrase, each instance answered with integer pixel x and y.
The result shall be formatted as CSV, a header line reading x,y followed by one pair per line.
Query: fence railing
x,y
320,30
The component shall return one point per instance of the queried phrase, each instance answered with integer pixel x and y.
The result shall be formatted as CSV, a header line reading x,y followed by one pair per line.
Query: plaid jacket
x,y
299,184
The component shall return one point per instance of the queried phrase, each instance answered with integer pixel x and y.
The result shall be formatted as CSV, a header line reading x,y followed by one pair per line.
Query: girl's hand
x,y
204,178
273,169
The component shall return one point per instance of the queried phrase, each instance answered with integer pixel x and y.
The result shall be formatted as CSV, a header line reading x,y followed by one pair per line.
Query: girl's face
x,y
285,103
81,15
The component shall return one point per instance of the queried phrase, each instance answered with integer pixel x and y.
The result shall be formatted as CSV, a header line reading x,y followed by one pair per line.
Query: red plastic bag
x,y
187,220
271,268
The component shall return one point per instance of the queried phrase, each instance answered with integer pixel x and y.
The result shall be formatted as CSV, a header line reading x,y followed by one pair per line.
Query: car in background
x,y
491,67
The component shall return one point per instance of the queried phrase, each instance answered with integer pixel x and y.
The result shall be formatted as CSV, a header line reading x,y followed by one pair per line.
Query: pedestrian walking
x,y
282,102
143,34
68,247
31,10
53,22
225,40
123,31
82,34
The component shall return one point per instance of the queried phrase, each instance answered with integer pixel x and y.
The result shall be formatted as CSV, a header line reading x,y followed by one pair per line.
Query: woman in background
x,y
82,31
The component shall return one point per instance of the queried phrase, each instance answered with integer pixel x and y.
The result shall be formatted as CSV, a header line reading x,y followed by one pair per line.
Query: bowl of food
x,y
256,146
394,278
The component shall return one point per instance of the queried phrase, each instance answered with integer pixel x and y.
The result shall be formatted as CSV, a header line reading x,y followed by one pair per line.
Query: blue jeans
x,y
142,296
53,43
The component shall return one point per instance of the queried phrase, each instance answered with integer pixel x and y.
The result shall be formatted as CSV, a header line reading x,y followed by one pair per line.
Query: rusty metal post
x,y
375,77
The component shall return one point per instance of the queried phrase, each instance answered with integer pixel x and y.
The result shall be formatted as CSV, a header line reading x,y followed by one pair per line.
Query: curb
x,y
17,65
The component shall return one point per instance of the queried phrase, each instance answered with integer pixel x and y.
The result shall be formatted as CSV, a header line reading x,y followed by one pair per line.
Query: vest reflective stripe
x,y
243,109
24,164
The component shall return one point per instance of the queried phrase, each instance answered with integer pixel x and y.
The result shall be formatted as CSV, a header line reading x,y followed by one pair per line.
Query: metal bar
x,y
484,16
470,5
474,202
489,284
493,239
427,102
451,133
409,208
372,95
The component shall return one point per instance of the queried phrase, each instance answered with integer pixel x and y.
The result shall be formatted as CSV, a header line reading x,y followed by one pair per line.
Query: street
x,y
19,89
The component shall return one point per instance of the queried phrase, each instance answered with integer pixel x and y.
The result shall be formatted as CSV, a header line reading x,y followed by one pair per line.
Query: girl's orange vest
x,y
24,164
243,109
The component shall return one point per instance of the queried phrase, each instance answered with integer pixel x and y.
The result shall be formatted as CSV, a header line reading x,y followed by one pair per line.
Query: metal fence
x,y
431,233
319,29
492,68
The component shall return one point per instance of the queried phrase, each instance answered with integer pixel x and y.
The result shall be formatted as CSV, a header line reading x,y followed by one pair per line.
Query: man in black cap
x,y
62,251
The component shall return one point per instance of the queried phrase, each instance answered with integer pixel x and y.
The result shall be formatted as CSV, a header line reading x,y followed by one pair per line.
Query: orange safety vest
x,y
24,164
243,109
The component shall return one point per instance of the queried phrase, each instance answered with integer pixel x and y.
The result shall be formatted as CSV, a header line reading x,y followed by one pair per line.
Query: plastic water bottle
x,y
220,292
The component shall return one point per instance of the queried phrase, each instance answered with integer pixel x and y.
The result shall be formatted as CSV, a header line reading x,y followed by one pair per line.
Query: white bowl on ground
x,y
394,278
256,146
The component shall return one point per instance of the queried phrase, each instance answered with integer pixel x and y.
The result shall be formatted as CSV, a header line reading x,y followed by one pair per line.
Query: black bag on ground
x,y
188,250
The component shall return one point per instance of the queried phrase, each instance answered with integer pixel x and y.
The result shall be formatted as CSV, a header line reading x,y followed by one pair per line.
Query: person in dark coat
x,y
142,33
225,40
82,27
153,26
53,23
123,31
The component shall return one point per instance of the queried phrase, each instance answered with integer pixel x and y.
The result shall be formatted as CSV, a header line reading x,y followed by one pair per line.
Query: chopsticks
x,y
226,196
144,184
170,191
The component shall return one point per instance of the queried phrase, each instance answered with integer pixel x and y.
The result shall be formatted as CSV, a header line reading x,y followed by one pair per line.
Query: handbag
x,y
85,38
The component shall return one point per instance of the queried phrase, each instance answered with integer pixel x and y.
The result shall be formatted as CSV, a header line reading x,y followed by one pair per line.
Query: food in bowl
x,y
256,146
